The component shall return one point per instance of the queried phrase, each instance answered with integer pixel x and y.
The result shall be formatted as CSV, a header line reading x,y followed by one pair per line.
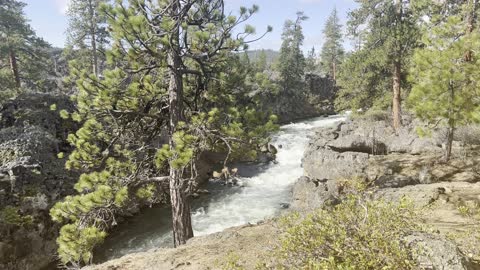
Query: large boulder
x,y
435,252
309,194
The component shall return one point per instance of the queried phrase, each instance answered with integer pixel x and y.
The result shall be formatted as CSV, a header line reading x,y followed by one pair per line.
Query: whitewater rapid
x,y
264,192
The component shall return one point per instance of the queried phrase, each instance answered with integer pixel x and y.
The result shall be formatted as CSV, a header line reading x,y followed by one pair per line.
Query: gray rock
x,y
309,194
435,252
332,165
32,177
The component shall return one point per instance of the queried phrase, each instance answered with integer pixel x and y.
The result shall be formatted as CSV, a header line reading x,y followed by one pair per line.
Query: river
x,y
264,191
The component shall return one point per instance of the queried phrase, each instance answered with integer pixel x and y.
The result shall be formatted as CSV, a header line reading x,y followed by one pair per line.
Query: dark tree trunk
x,y
397,96
93,36
181,216
448,147
397,73
471,20
14,68
451,123
335,69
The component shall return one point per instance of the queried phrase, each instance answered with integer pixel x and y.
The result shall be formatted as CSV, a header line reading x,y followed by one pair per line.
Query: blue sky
x,y
48,18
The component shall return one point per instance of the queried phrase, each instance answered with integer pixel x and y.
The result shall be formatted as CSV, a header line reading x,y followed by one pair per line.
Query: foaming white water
x,y
261,196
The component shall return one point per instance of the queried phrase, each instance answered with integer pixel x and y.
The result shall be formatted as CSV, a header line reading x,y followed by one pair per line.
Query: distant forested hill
x,y
271,55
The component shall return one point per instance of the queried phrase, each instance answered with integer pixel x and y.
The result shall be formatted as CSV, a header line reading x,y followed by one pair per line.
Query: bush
x,y
373,115
359,233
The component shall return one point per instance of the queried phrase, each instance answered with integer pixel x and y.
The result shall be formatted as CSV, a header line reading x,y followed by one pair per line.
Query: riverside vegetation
x,y
131,112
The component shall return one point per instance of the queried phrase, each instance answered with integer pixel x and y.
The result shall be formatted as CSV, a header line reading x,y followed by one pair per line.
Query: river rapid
x,y
264,191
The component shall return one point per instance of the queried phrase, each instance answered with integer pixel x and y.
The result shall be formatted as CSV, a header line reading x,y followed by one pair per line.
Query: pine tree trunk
x,y
94,54
451,123
14,68
468,57
181,216
334,70
93,37
448,147
397,98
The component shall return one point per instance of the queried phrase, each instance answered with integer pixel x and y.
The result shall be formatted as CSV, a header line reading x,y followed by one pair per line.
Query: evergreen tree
x,y
332,50
24,58
444,76
291,63
169,93
261,62
390,32
87,35
311,61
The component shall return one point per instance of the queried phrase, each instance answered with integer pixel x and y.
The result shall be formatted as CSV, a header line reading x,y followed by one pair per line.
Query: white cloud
x,y
62,5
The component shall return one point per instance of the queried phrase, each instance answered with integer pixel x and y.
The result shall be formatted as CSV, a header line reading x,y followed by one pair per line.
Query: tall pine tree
x,y
291,62
166,97
87,33
390,32
445,89
332,50
24,58
311,62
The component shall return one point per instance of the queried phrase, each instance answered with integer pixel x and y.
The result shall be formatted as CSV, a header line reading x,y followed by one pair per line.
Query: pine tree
x,y
86,31
169,93
311,62
445,90
332,50
261,62
390,33
291,63
24,58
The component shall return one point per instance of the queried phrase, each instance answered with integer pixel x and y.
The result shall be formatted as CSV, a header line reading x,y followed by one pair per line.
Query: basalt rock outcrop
x,y
400,165
32,177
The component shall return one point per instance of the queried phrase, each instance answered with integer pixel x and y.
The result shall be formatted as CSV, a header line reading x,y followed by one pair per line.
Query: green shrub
x,y
10,216
359,233
373,115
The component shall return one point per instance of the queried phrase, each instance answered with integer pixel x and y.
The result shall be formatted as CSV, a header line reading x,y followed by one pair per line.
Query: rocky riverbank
x,y
33,151
402,165
399,166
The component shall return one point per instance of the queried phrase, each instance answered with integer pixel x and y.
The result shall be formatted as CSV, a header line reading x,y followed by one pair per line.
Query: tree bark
x,y
334,69
397,73
448,147
181,216
468,57
14,68
397,96
93,37
451,123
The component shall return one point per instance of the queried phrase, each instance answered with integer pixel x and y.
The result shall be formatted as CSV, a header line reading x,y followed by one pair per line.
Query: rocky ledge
x,y
401,165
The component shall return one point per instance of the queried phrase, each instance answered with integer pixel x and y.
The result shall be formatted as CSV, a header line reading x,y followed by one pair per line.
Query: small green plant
x,y
359,233
233,262
464,210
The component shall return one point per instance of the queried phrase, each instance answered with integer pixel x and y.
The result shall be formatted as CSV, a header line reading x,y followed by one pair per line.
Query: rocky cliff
x,y
32,177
